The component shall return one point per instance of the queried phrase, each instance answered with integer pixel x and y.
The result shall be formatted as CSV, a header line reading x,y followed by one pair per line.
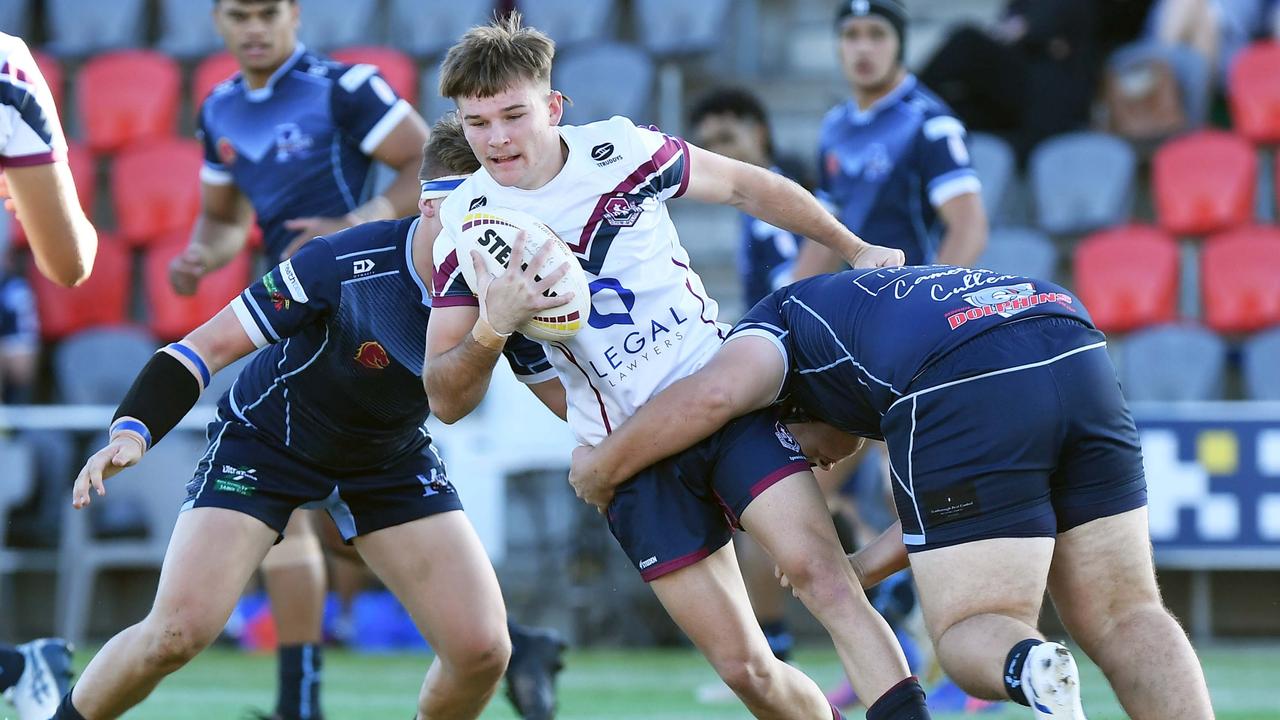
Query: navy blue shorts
x,y
1019,432
248,473
681,510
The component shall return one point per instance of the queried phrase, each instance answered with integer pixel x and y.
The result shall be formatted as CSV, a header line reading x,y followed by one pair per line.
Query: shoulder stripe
x,y
936,128
356,76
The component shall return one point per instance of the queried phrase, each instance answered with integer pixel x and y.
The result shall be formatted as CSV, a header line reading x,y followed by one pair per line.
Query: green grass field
x,y
619,685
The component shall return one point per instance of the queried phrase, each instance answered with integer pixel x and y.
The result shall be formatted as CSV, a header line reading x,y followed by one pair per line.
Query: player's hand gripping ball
x,y
492,233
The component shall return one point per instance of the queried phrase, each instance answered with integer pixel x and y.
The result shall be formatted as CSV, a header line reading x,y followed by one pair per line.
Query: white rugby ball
x,y
492,232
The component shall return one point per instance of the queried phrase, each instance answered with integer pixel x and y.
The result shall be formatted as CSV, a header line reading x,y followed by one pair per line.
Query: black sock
x,y
904,701
67,711
1013,664
300,667
781,641
12,663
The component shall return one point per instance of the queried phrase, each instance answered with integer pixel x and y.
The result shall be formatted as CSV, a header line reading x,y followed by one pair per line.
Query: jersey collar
x,y
411,270
265,92
864,117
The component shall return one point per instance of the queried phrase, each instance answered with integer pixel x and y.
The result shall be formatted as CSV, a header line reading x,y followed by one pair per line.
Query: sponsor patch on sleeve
x,y
296,291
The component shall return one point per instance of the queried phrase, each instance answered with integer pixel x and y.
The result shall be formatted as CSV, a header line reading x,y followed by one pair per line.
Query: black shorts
x,y
681,510
246,472
1020,432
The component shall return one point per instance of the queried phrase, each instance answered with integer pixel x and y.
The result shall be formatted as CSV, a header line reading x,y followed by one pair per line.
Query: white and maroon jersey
x,y
651,322
30,133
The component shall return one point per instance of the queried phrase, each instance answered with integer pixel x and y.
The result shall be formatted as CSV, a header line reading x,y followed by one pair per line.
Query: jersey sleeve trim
x,y
213,175
247,321
952,185
769,333
384,126
539,377
445,301
41,158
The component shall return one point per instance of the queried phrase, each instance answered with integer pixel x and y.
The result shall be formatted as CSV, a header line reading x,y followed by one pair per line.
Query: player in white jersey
x,y
603,187
36,182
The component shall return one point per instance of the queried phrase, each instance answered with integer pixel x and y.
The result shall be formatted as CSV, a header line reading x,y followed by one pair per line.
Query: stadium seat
x,y
1020,251
1262,365
1253,89
18,460
679,28
155,486
1172,363
51,69
1195,83
396,67
1204,183
570,22
126,96
82,374
328,24
15,17
591,77
993,160
433,106
185,34
1240,279
100,300
155,188
85,27
171,316
84,173
447,21
1081,182
1128,277
211,71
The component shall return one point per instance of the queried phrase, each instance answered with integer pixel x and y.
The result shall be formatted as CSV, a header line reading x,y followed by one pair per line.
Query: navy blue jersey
x,y
765,256
885,171
854,341
299,146
345,320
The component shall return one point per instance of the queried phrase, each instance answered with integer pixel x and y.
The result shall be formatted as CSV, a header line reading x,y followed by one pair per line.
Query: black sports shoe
x,y
536,657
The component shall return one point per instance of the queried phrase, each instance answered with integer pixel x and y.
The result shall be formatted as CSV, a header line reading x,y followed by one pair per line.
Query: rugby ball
x,y
492,232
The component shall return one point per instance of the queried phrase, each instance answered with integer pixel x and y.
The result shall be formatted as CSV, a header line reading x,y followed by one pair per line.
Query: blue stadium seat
x,y
1020,251
15,17
184,34
1176,363
329,24
1194,81
428,29
604,80
84,27
670,28
1262,365
1081,182
993,160
81,375
431,104
570,22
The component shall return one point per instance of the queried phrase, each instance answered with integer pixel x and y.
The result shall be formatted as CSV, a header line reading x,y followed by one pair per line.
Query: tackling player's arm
x,y
745,374
551,393
779,201
966,235
62,239
881,557
220,233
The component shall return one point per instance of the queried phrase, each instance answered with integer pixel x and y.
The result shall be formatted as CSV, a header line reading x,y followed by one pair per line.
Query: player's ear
x,y
555,106
427,207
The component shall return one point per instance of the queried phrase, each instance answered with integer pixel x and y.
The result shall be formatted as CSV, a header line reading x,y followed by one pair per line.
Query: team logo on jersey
x,y
291,141
786,438
1005,301
622,210
478,202
226,151
372,355
362,266
278,299
435,484
603,154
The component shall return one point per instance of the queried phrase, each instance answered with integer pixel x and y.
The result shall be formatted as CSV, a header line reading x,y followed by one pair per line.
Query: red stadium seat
x,y
51,69
171,315
1240,279
84,172
395,66
1128,277
211,71
127,96
155,188
1253,89
1204,183
103,299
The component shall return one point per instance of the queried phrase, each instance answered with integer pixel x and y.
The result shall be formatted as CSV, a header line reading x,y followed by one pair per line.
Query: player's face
x,y
513,133
733,137
261,35
823,444
868,52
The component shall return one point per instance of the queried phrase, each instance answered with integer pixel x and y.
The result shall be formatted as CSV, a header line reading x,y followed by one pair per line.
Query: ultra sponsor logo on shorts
x,y
1005,301
291,281
236,480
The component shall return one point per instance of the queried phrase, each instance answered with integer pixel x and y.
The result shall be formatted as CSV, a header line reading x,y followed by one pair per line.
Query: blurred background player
x,y
36,184
293,138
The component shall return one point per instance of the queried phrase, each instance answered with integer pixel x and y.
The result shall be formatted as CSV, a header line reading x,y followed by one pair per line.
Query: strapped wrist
x,y
485,335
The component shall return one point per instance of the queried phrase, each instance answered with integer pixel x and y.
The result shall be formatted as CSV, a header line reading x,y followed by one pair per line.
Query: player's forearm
x,y
68,260
781,202
881,557
457,380
219,240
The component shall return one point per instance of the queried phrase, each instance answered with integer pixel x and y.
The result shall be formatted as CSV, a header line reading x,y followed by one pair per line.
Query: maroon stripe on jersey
x,y
440,277
604,414
42,158
641,175
689,286
454,301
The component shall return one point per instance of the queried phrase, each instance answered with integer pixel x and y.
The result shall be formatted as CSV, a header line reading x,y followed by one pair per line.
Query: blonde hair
x,y
490,59
447,152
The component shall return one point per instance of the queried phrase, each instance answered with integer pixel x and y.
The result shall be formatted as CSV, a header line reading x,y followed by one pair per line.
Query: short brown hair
x,y
447,151
489,59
